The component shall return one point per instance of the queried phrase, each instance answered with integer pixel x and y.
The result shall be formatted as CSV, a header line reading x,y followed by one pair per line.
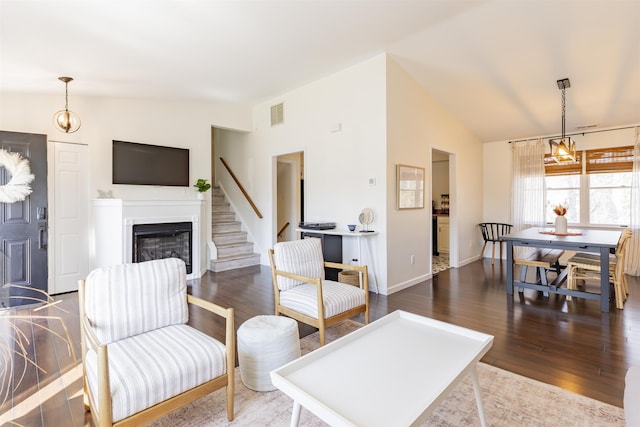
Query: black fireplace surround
x,y
166,240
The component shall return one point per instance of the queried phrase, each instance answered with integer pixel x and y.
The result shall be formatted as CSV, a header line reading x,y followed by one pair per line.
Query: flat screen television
x,y
144,164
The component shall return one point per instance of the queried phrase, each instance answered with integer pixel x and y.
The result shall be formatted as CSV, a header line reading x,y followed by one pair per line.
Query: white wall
x,y
385,118
417,123
496,166
160,122
497,170
337,165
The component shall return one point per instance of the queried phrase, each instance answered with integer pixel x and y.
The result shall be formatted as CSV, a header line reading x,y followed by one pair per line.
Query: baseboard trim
x,y
407,284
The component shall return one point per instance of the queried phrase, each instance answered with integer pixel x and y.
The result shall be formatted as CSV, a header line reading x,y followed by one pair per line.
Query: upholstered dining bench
x,y
543,260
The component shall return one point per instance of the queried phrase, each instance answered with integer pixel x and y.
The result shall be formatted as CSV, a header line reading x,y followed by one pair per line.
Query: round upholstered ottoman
x,y
266,343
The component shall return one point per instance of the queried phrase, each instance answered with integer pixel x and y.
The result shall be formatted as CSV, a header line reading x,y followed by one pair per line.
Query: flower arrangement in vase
x,y
561,220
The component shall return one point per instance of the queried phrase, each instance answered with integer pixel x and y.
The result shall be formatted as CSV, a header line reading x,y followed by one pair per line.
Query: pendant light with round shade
x,y
65,120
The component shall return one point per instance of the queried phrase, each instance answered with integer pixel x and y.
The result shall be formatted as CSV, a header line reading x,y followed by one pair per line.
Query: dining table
x,y
602,242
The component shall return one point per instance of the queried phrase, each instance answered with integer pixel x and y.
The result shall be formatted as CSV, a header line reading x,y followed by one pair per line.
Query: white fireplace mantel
x,y
114,220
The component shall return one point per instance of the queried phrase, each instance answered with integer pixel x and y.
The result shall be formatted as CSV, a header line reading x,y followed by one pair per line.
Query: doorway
x,y
289,200
440,207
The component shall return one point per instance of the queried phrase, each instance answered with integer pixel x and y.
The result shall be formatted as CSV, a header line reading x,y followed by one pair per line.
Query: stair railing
x,y
284,227
244,192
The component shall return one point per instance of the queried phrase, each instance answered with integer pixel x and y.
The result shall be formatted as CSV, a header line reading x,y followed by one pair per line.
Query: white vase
x,y
561,224
200,195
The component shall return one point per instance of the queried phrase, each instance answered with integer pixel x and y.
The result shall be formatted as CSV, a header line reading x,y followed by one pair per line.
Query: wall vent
x,y
277,114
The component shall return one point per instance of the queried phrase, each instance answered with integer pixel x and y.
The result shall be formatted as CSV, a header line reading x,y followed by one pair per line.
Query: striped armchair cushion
x,y
337,298
149,368
130,299
301,257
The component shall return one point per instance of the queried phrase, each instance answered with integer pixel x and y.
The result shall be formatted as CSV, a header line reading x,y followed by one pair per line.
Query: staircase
x,y
234,251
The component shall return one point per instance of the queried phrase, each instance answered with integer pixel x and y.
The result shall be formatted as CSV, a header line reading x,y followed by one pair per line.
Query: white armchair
x,y
301,291
140,358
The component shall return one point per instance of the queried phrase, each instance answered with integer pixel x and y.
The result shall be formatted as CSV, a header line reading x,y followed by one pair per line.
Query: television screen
x,y
143,164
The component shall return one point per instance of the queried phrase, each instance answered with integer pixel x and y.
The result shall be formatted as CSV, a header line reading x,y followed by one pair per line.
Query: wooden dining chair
x,y
585,266
493,232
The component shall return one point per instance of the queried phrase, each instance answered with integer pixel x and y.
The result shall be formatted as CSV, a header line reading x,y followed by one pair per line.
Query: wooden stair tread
x,y
233,244
236,256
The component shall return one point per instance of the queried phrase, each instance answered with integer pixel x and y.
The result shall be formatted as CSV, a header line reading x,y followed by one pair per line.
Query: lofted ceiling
x,y
493,64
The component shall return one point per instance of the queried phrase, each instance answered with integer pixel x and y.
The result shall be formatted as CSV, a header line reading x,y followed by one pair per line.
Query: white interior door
x,y
70,216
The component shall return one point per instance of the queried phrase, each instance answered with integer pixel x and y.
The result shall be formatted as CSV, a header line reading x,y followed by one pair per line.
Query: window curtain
x,y
527,193
632,262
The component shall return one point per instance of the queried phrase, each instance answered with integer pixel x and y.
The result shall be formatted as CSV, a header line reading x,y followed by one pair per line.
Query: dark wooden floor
x,y
572,345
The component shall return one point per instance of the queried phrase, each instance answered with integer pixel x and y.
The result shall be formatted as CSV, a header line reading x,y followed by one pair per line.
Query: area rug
x,y
509,400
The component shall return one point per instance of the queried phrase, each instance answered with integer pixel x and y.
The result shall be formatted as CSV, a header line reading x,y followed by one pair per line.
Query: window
x,y
563,190
596,186
610,198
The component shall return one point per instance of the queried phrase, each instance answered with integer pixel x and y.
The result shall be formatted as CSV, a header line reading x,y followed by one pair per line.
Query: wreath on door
x,y
18,187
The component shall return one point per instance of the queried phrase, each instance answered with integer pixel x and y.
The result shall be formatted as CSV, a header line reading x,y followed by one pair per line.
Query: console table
x,y
360,235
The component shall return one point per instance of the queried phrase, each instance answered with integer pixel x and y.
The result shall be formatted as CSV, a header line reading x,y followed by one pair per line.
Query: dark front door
x,y
23,225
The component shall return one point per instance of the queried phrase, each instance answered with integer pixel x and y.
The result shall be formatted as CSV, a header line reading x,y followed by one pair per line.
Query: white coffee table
x,y
392,372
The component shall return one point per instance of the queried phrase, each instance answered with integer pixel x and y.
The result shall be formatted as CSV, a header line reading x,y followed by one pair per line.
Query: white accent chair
x,y
140,358
301,291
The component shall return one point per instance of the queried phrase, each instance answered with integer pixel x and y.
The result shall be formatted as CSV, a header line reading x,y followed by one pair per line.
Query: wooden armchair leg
x,y
321,333
230,414
85,399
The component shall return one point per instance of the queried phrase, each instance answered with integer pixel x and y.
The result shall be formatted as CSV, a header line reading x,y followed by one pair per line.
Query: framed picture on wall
x,y
410,192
